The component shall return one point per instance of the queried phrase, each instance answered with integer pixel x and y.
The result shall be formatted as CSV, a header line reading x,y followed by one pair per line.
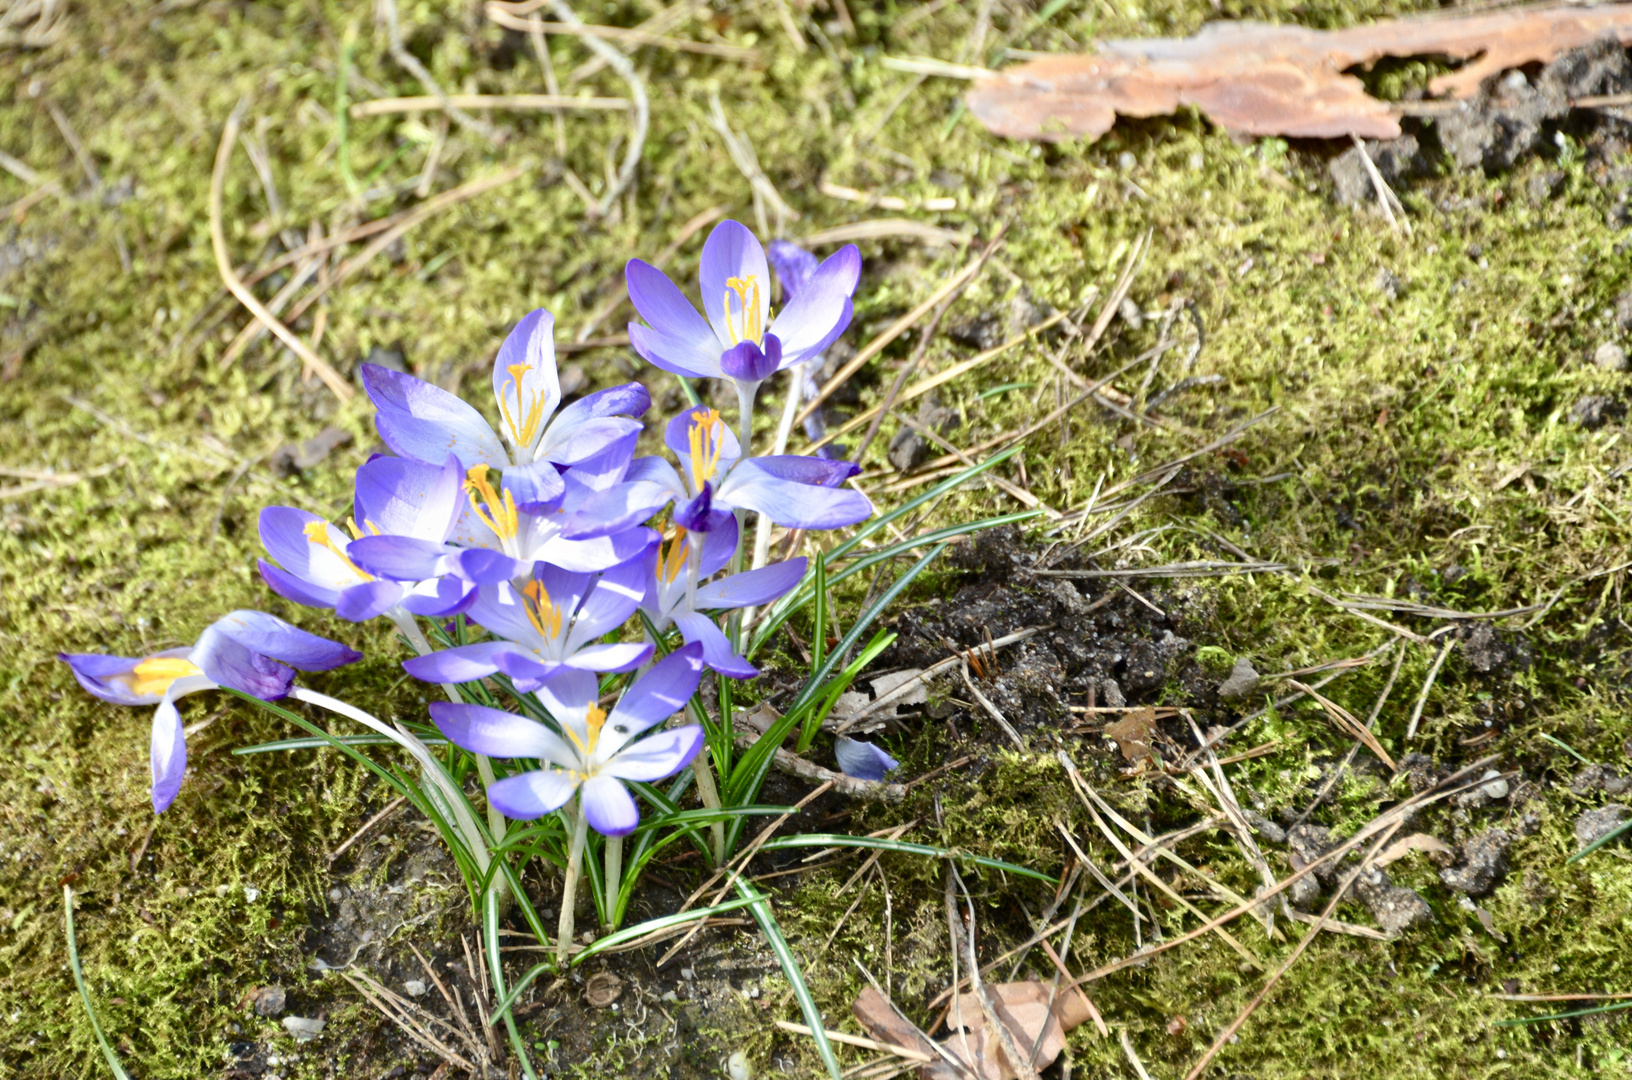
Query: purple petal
x,y
427,423
439,597
864,761
361,603
673,354
522,665
752,586
497,733
568,695
501,609
616,509
99,675
789,503
717,651
299,590
588,556
167,755
569,444
400,558
719,543
403,497
480,566
525,382
823,472
732,252
599,472
616,595
462,663
661,692
677,436
793,266
658,756
698,514
271,635
609,807
747,362
536,487
821,311
626,399
678,334
283,534
230,662
623,656
532,794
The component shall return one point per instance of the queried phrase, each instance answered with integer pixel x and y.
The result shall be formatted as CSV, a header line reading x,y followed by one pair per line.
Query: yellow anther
x,y
747,293
529,413
596,719
153,676
358,534
318,533
675,560
705,438
497,514
541,610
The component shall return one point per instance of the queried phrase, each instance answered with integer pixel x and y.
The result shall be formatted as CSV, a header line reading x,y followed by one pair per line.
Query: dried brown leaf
x,y
1133,733
1261,79
1415,842
1023,1008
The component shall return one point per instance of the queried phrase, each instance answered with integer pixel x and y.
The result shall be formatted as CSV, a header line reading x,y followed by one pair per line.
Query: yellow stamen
x,y
496,513
747,293
318,533
675,560
153,676
529,414
596,720
358,534
706,429
541,610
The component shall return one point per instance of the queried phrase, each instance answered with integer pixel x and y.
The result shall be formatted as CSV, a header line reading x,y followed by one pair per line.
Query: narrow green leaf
x,y
760,909
1620,830
84,994
905,847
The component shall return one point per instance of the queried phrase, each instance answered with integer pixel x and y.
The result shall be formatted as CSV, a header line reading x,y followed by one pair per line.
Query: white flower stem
x,y
569,888
784,429
614,875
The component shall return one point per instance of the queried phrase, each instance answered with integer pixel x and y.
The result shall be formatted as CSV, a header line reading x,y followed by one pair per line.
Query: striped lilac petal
x,y
403,497
614,597
566,445
697,628
658,694
531,795
677,338
793,266
625,399
426,423
284,535
299,590
862,760
481,566
616,509
502,610
460,664
108,677
522,665
439,597
400,558
525,382
622,656
167,755
657,757
789,503
598,553
231,663
823,472
361,603
731,252
719,542
599,472
821,310
610,808
567,697
752,586
751,363
271,635
497,733
536,487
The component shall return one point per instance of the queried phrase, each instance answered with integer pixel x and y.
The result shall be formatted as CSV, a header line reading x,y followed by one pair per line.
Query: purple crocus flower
x,y
594,752
394,496
738,339
549,625
425,422
791,490
248,651
674,596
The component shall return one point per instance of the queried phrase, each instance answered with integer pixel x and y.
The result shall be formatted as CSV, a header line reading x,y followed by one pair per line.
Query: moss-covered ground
x,y
1424,448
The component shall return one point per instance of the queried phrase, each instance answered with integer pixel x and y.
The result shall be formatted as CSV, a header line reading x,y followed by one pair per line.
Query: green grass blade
x,y
760,909
495,967
1620,830
85,994
818,640
878,524
1565,1015
329,742
905,847
812,722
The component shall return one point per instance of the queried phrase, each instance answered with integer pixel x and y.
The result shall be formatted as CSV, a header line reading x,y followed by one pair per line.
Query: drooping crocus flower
x,y
595,751
547,626
738,339
394,496
425,422
791,490
675,597
248,651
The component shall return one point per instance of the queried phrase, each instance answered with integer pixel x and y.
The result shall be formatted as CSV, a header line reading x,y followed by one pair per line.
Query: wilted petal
x,y
499,734
110,677
427,423
864,761
657,757
609,807
167,755
271,635
752,586
532,794
230,662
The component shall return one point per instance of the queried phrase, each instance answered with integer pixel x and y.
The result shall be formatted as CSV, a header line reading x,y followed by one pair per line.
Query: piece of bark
x,y
1262,79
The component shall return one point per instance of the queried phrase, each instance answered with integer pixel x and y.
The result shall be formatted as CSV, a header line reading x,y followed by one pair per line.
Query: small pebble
x,y
269,1000
1497,788
1243,681
1610,357
303,1028
415,987
251,893
335,896
737,1068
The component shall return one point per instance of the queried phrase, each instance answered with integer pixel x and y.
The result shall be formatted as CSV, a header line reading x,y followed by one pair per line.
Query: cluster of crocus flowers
x,y
566,557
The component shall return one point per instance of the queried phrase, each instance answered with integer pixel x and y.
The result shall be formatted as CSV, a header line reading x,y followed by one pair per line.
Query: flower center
x,y
674,560
497,514
594,720
524,422
747,327
704,437
541,611
155,674
318,533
